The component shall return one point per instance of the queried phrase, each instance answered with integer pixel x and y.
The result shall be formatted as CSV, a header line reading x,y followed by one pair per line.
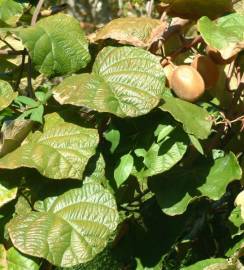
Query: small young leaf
x,y
196,144
124,169
37,114
163,131
113,136
27,101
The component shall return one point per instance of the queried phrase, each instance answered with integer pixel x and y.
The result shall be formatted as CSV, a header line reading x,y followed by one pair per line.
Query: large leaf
x,y
10,12
7,95
18,261
3,258
57,45
71,229
175,190
194,9
61,151
125,81
225,36
196,120
140,32
239,201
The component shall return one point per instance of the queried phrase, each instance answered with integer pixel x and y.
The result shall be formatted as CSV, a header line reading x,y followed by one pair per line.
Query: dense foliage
x,y
122,135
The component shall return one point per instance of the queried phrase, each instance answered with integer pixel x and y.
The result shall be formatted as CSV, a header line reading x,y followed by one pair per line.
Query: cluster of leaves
x,y
101,166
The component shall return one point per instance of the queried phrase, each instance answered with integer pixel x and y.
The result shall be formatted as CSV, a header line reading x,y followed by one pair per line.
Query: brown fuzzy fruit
x,y
187,83
207,69
168,70
216,56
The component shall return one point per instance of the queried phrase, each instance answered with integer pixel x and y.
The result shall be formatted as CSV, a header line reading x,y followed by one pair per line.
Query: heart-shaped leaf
x,y
125,81
225,35
61,151
71,229
57,45
140,32
7,95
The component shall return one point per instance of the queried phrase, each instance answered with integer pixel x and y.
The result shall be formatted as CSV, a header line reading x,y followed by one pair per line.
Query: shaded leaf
x,y
124,169
61,151
140,32
7,95
194,9
196,120
126,81
225,35
112,136
81,219
18,261
175,190
57,45
10,12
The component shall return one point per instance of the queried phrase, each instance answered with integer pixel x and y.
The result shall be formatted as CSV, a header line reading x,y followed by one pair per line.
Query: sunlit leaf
x,y
57,45
10,12
7,95
125,81
61,151
81,220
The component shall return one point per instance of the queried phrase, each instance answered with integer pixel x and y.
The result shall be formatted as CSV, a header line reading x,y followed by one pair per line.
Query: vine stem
x,y
36,13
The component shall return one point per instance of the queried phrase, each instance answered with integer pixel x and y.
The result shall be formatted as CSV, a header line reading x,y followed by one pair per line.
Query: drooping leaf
x,y
125,81
61,151
13,133
7,95
10,12
81,219
195,142
161,157
8,192
175,190
124,169
140,32
18,261
194,9
196,120
225,35
57,45
203,265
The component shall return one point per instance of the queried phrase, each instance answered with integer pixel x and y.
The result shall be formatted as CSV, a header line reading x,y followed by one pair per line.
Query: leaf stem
x,y
36,13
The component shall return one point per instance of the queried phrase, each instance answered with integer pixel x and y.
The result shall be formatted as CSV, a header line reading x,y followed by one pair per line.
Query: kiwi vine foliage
x,y
102,166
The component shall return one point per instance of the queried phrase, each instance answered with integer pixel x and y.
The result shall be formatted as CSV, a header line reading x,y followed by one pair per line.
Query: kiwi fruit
x,y
207,69
187,83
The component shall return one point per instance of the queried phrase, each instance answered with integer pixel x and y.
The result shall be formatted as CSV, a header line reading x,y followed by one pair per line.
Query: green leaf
x,y
239,201
37,114
18,261
195,142
57,45
224,171
161,157
202,265
61,151
13,133
26,101
112,136
124,169
175,190
10,12
194,9
225,36
163,131
81,219
7,95
126,81
196,120
140,32
7,192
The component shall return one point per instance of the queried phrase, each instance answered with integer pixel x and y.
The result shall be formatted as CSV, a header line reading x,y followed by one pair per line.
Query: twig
x,y
150,7
53,10
29,80
36,13
21,70
8,44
